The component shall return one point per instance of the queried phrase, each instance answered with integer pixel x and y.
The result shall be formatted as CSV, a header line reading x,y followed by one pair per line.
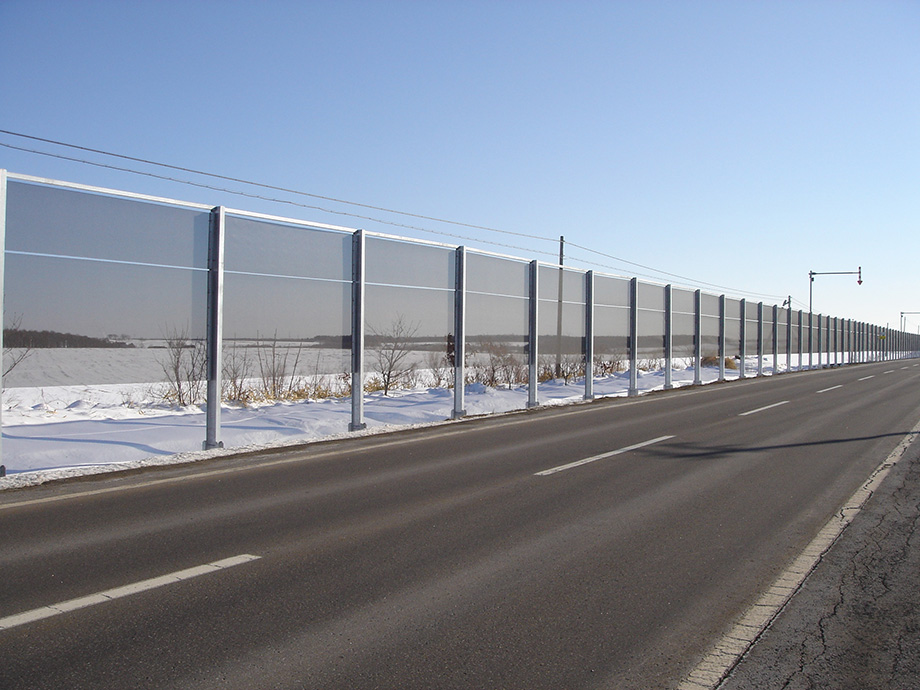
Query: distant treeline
x,y
17,337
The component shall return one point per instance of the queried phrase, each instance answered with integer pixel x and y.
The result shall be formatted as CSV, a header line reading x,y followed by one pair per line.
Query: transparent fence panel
x,y
751,325
392,262
64,222
409,310
96,284
710,327
798,340
287,309
650,343
733,317
683,324
497,320
611,325
561,320
781,331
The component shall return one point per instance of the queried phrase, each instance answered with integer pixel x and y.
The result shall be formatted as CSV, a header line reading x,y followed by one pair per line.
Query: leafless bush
x,y
440,369
13,356
609,363
237,370
185,368
277,373
391,349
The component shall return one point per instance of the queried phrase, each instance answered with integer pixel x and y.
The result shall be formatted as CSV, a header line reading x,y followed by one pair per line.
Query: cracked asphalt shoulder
x,y
855,622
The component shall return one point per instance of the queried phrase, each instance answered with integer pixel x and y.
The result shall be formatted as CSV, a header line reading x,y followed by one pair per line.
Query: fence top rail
x,y
107,192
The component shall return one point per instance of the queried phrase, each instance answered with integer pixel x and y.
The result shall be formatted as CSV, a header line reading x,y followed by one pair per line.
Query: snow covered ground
x,y
53,432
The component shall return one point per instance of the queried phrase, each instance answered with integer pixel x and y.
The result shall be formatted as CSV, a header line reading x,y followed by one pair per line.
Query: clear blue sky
x,y
738,144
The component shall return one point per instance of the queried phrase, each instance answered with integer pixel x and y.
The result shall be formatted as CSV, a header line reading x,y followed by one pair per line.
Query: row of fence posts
x,y
844,341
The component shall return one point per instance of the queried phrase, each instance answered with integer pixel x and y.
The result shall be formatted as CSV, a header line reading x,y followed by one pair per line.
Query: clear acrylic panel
x,y
650,343
497,340
92,322
409,336
683,302
733,316
709,305
278,249
497,276
298,326
611,292
571,282
69,223
683,336
393,262
611,336
651,296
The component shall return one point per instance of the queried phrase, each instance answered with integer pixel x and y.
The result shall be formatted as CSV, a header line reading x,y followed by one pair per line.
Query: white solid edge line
x,y
825,390
594,458
761,409
722,658
119,592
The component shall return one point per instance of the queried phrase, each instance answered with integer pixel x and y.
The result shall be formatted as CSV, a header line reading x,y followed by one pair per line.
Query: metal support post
x,y
775,338
811,344
742,344
819,348
459,351
633,337
533,351
760,347
789,337
215,330
357,332
721,337
698,333
589,335
2,286
801,339
668,336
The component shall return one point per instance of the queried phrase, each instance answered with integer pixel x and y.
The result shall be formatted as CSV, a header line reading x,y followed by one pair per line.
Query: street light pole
x,y
811,281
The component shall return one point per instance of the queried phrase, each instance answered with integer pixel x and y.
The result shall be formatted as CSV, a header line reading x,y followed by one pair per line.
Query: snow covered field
x,y
56,431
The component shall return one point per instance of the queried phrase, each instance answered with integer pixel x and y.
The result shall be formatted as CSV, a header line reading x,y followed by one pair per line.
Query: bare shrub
x,y
610,363
13,356
391,349
277,371
237,370
440,369
185,367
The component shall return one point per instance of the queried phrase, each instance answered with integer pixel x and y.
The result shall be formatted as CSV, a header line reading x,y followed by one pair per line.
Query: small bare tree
x,y
13,355
237,369
185,368
391,350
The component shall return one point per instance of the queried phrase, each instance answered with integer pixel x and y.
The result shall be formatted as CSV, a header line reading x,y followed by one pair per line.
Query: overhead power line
x,y
192,171
275,187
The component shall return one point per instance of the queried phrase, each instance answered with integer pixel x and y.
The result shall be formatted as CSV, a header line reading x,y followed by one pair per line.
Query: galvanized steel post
x,y
357,332
698,345
460,335
633,337
533,351
742,340
215,328
2,284
721,337
589,335
668,336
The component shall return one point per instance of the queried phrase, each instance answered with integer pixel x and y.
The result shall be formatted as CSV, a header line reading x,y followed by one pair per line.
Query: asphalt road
x,y
446,557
